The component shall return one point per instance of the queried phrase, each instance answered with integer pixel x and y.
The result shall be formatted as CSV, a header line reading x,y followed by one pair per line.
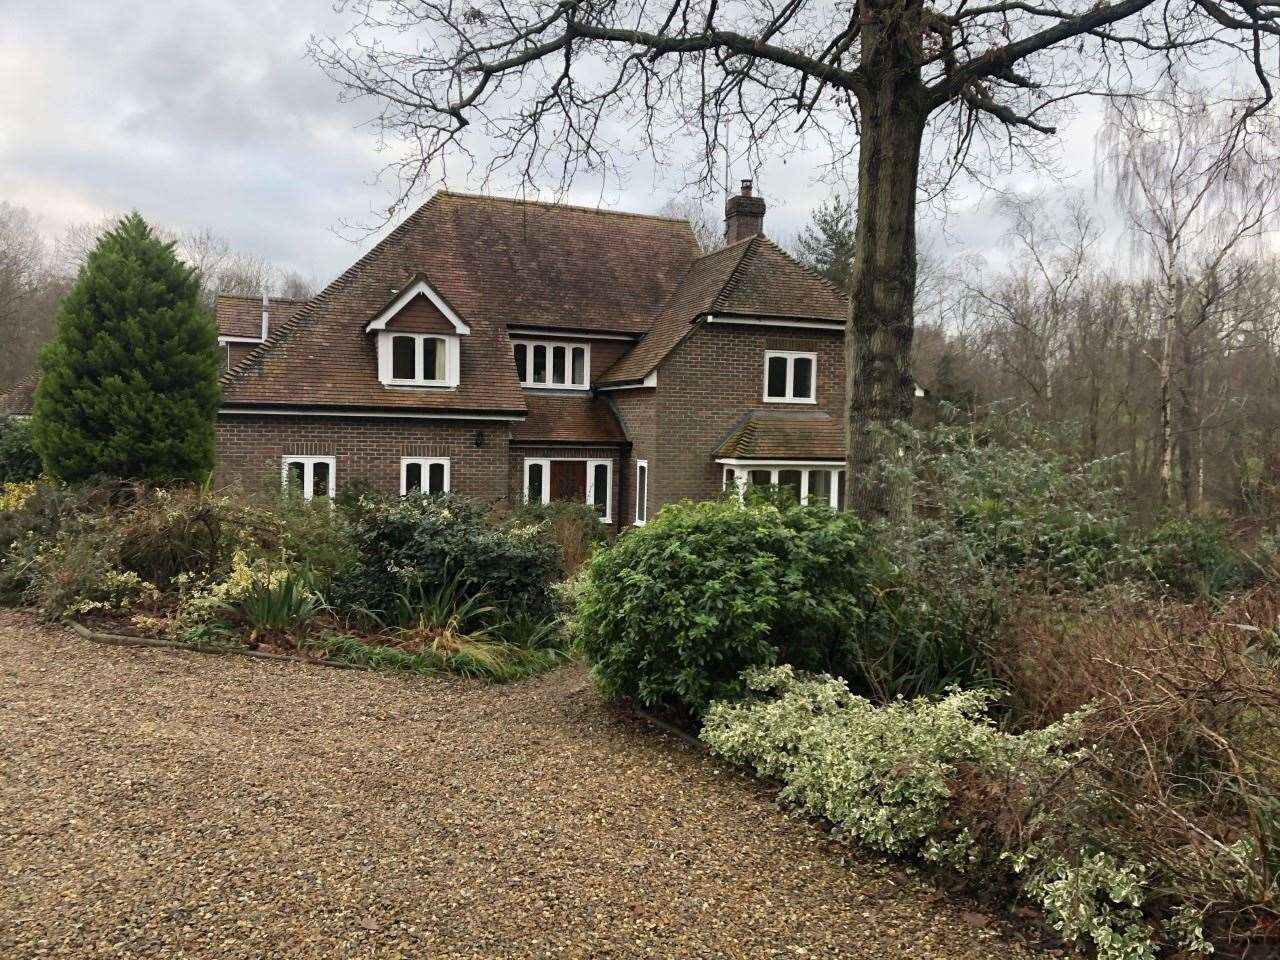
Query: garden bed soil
x,y
159,803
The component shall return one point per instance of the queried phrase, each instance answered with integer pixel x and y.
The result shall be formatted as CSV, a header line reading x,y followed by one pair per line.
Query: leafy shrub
x,y
1191,556
426,541
79,573
937,780
18,458
165,533
274,602
575,527
675,610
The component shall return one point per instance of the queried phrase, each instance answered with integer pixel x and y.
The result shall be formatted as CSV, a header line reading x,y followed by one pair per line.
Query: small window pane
x,y
522,358
802,382
600,491
760,478
435,478
535,483
412,477
539,364
789,480
730,479
433,358
642,492
840,490
402,359
820,487
579,367
557,364
319,479
777,377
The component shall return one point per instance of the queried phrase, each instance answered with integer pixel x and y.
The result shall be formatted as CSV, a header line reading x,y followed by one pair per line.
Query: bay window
x,y
806,482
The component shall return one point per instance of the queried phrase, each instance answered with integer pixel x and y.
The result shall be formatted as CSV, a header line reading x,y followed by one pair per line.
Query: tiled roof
x,y
19,399
785,435
559,419
496,261
239,316
753,278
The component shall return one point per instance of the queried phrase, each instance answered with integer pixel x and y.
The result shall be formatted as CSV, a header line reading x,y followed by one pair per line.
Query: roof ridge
x,y
283,331
561,206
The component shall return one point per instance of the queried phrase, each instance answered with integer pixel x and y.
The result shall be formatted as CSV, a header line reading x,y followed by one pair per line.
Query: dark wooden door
x,y
569,480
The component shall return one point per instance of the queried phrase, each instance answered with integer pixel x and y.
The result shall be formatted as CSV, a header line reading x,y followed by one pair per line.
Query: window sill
x,y
421,384
810,401
555,386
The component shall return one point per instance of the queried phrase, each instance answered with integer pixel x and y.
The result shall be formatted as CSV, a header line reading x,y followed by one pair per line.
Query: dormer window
x,y
419,338
418,359
553,364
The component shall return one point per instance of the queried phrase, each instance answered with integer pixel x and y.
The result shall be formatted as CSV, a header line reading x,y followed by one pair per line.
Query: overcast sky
x,y
208,114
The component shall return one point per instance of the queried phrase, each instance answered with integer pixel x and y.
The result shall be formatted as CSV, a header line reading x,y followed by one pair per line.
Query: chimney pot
x,y
743,215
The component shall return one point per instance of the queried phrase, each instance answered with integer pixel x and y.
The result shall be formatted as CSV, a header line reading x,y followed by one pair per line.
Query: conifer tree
x,y
129,384
826,244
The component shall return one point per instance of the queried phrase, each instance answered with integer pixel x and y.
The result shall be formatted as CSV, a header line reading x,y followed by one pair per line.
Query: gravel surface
x,y
157,804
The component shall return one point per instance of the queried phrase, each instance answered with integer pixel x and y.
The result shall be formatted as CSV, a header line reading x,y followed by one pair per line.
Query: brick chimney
x,y
743,215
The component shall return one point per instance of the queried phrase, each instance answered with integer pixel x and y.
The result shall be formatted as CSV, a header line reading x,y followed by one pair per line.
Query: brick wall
x,y
709,382
637,412
250,449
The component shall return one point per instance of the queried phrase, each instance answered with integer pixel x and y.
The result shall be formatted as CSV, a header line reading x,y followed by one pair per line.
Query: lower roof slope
x,y
785,435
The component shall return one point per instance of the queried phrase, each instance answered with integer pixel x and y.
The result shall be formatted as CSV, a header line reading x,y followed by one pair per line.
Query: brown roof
x,y
496,261
573,419
19,400
785,435
240,316
753,278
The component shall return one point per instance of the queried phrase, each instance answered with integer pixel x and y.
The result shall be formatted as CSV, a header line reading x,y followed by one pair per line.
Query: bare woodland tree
x,y
545,80
708,229
1195,191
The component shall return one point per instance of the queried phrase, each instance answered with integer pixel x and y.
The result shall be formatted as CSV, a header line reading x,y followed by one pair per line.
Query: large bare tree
x,y
555,87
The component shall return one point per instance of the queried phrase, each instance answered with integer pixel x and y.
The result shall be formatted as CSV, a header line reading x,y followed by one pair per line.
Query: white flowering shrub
x,y
886,777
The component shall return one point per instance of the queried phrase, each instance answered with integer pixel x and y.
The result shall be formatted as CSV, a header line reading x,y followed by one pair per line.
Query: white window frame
x,y
308,474
608,482
452,353
426,463
642,503
589,496
741,468
546,478
791,356
526,375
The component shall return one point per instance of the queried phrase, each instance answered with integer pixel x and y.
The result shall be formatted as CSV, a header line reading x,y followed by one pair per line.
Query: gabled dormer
x,y
418,338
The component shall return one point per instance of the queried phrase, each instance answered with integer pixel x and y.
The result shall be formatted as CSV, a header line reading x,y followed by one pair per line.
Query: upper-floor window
x,y
551,363
789,376
418,359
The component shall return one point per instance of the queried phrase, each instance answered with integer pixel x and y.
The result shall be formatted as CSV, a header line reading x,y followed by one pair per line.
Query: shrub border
x,y
129,640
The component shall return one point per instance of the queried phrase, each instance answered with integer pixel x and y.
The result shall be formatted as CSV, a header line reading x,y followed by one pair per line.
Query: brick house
x,y
515,350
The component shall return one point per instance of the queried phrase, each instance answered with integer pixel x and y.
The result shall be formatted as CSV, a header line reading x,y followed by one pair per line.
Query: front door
x,y
569,480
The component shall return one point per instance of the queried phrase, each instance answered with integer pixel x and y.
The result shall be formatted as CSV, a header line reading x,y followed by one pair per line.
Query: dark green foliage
x,y
398,543
576,527
18,458
1192,557
671,614
129,386
826,245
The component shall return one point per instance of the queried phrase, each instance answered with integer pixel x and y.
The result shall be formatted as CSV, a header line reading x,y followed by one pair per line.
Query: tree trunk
x,y
882,281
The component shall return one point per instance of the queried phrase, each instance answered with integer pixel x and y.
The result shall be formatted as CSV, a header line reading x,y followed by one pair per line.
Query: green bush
x,y
18,458
1191,557
575,527
938,781
672,614
413,542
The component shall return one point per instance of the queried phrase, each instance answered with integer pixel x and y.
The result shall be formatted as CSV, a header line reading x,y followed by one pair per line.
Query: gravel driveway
x,y
157,804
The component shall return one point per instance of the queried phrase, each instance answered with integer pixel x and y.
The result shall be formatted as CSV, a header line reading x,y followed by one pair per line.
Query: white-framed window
x,y
424,475
600,487
810,482
642,492
310,477
790,377
417,359
591,480
553,364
